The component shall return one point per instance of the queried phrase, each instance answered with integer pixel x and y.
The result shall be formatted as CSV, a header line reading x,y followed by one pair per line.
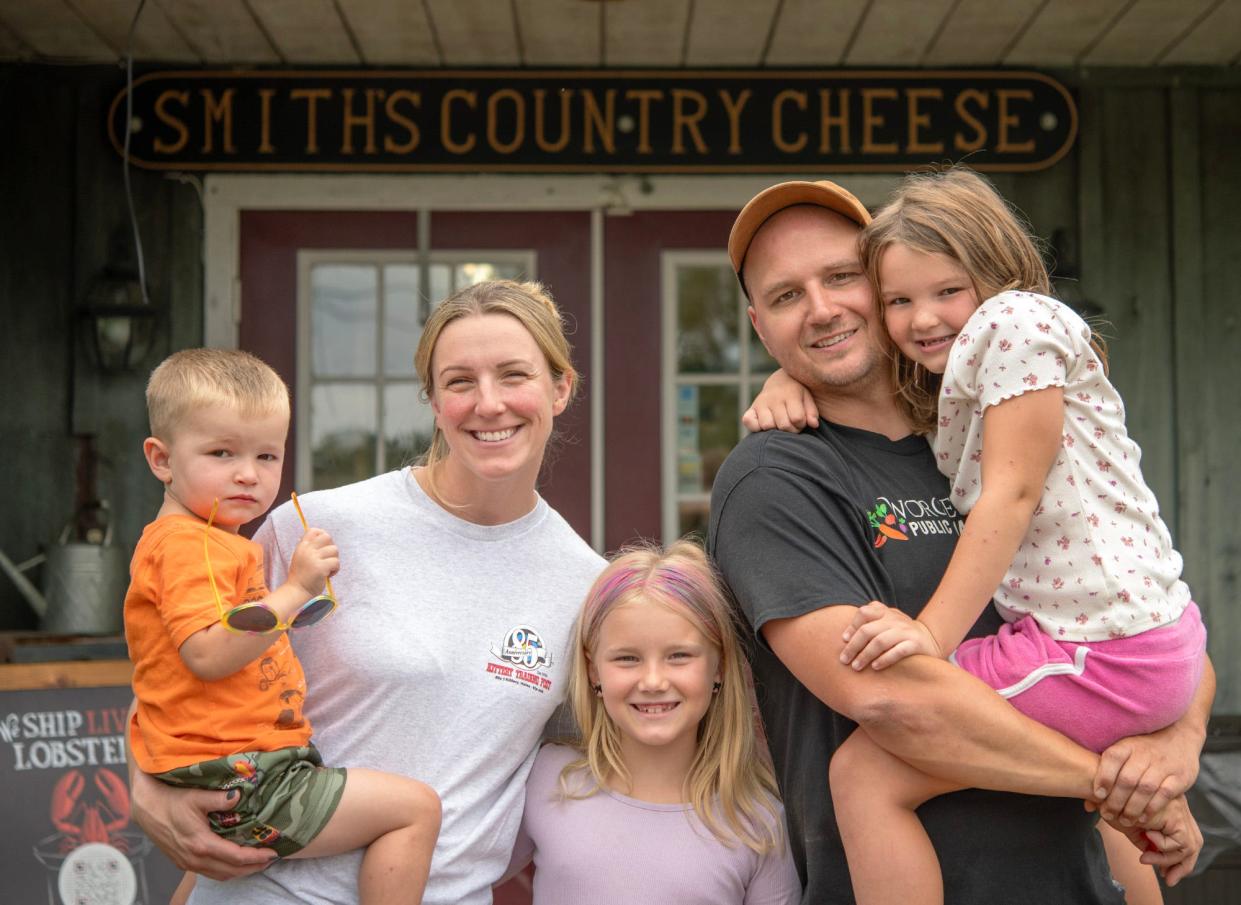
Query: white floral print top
x,y
1097,562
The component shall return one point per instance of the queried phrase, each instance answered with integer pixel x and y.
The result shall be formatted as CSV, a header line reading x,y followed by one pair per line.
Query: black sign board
x,y
603,121
67,834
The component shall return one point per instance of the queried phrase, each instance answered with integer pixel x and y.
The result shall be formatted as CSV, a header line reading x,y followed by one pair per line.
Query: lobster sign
x,y
97,814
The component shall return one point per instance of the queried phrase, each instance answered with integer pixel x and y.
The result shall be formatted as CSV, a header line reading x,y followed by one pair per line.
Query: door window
x,y
714,364
360,316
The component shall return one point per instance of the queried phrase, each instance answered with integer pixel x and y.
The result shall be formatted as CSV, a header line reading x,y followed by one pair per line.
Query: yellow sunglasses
x,y
256,617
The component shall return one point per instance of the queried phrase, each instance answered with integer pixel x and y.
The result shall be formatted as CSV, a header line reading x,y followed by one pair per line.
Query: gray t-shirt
x,y
448,653
609,849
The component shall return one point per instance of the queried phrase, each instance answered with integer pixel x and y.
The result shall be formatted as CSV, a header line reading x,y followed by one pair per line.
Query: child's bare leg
x,y
398,820
181,894
1138,879
875,795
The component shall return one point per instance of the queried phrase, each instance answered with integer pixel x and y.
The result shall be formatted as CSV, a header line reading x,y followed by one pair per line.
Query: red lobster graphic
x,y
99,818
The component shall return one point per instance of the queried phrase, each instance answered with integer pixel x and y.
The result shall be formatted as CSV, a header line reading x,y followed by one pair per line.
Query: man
x,y
807,526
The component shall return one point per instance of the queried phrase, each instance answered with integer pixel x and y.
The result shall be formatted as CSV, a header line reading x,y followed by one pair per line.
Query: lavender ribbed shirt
x,y
612,850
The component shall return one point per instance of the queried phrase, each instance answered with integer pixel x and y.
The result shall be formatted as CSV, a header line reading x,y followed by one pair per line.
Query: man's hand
x,y
782,404
881,635
1171,843
1138,776
176,821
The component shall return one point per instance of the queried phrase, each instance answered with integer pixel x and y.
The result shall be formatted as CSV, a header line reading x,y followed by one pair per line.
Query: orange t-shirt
x,y
181,719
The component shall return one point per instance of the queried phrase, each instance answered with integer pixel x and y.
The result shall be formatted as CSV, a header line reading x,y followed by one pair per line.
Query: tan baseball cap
x,y
772,200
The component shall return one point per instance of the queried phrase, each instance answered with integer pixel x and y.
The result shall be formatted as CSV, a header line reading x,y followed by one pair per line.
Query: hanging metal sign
x,y
628,122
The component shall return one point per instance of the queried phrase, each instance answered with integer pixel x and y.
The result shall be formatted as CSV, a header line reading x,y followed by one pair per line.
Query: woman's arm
x,y
176,821
1021,439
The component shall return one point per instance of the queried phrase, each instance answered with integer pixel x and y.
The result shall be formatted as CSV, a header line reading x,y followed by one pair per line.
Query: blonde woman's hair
x,y
957,213
193,378
529,303
730,782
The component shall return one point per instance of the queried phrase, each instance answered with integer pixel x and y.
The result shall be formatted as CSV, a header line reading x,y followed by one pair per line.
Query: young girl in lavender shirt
x,y
668,797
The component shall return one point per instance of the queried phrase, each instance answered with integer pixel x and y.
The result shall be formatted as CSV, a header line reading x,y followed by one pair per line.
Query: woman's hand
x,y
782,404
176,821
882,635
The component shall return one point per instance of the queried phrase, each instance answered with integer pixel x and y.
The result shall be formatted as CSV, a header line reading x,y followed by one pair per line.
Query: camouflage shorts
x,y
287,796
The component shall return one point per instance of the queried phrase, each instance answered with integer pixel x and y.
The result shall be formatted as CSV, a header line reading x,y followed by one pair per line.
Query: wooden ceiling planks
x,y
897,32
979,32
391,34
561,32
11,46
729,34
475,32
53,29
645,32
222,31
1145,31
811,33
1214,40
307,32
629,33
1064,30
155,37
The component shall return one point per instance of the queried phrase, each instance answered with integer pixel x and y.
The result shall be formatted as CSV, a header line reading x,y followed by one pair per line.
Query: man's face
x,y
810,301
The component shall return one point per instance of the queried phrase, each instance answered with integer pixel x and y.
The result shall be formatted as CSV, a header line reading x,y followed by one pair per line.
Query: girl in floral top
x,y
1102,640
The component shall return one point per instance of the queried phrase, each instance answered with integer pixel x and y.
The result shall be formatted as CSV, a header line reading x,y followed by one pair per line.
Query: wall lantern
x,y
117,320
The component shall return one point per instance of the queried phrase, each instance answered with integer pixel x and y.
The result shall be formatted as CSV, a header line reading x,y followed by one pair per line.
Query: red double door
x,y
561,242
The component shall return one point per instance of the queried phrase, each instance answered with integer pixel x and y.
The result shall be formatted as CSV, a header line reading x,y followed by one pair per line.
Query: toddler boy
x,y
219,705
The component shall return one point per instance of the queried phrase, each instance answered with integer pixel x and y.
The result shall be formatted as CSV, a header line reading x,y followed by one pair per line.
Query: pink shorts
x,y
1097,692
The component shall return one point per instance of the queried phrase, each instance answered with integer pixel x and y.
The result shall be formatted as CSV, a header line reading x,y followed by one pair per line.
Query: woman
x,y
458,589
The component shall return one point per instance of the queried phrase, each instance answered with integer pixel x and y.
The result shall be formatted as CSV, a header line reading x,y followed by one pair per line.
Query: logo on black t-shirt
x,y
908,519
887,524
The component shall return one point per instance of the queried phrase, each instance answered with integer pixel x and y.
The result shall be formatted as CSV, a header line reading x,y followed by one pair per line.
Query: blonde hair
x,y
730,776
193,378
957,213
531,305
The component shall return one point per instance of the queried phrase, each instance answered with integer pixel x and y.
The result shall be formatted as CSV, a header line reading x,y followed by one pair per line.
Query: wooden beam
x,y
75,674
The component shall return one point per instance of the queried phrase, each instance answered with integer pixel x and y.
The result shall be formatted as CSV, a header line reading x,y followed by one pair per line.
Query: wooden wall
x,y
62,199
1150,194
1159,188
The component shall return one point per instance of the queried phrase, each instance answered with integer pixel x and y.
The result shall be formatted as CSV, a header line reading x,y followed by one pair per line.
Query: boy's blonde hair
x,y
957,213
730,783
192,378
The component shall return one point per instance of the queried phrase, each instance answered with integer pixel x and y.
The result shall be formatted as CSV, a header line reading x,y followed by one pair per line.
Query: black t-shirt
x,y
837,515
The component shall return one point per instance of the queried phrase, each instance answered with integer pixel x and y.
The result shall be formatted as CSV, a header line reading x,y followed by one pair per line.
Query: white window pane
x,y
343,306
441,283
401,319
342,433
760,361
707,340
408,423
471,272
707,430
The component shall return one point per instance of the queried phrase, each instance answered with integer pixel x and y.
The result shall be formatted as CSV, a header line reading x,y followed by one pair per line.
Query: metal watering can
x,y
83,584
